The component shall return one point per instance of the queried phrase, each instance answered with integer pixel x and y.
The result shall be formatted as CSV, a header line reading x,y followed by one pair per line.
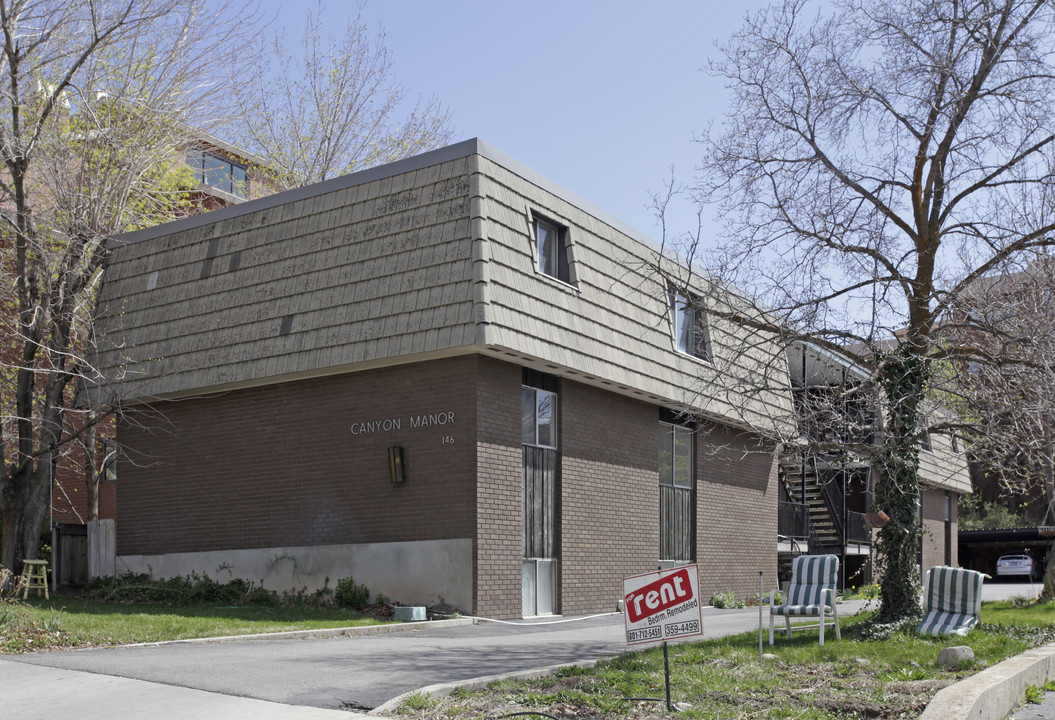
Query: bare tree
x,y
333,108
876,160
1003,330
95,100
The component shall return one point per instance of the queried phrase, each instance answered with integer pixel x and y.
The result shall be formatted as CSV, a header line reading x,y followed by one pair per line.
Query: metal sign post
x,y
666,674
760,615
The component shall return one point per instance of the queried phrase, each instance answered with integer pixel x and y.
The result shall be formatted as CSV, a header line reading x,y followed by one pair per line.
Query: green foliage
x,y
903,377
877,631
723,678
977,514
416,701
1034,695
179,590
22,630
726,599
67,621
763,599
350,595
868,592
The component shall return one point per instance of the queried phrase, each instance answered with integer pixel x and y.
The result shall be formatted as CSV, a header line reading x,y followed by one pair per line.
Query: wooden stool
x,y
35,577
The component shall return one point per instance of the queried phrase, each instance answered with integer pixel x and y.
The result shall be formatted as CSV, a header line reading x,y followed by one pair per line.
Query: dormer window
x,y
220,173
691,335
551,242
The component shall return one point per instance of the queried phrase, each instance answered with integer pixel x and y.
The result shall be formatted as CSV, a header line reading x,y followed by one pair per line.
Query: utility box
x,y
409,614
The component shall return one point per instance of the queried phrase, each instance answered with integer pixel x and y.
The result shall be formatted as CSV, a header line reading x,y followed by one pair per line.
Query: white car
x,y
1009,565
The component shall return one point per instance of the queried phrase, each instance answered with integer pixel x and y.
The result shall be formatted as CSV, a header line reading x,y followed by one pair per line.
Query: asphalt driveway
x,y
360,673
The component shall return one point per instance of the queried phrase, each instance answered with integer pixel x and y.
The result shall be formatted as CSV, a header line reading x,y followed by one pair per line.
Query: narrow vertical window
x,y
677,507
538,429
538,420
691,334
551,241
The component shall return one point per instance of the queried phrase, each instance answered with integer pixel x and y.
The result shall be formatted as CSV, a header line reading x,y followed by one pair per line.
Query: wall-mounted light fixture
x,y
395,464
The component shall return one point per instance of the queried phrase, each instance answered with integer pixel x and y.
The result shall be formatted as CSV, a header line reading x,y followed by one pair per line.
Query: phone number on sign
x,y
685,628
652,633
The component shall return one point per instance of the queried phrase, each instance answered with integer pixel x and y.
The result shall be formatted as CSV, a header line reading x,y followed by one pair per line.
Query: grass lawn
x,y
724,678
65,622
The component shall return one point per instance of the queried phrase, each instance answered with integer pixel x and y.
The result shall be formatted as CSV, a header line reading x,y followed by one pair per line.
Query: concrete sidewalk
x,y
35,692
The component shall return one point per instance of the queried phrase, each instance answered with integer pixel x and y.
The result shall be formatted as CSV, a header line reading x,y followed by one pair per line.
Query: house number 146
x,y
448,439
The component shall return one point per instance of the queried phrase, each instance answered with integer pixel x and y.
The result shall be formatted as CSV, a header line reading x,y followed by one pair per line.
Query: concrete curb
x,y
444,689
305,634
993,693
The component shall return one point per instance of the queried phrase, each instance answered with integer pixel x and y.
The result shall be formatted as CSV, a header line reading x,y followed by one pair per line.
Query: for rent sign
x,y
662,605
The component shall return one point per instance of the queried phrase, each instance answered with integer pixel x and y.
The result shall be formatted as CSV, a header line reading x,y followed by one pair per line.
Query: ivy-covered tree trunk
x,y
903,377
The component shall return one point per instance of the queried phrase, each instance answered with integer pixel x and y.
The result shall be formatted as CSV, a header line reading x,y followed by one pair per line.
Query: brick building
x,y
446,377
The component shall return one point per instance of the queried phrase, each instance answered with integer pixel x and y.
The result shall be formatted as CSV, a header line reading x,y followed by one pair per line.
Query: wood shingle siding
x,y
429,256
382,265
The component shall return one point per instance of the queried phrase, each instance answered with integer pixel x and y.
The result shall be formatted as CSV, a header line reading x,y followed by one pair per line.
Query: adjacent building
x,y
827,480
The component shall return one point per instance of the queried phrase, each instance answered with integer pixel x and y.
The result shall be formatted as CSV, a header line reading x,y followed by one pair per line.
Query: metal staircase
x,y
829,527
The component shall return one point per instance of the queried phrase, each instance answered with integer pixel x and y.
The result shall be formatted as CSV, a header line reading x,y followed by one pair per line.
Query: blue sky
x,y
600,97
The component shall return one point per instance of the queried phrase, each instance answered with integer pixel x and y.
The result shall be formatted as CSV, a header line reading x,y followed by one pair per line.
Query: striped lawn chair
x,y
952,601
810,592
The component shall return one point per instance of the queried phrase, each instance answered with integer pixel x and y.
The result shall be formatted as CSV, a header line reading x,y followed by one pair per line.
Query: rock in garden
x,y
952,657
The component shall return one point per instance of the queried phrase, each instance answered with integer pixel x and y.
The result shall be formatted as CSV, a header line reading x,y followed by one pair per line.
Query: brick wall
x,y
934,528
499,546
736,534
280,466
609,495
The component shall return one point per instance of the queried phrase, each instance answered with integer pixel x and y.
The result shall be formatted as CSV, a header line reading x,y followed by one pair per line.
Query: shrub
x,y
348,594
726,599
763,599
869,592
179,590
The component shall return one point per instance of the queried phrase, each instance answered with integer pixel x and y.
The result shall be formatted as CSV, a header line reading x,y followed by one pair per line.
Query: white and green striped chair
x,y
952,601
810,592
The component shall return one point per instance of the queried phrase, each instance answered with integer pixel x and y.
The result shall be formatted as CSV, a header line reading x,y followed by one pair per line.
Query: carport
x,y
980,549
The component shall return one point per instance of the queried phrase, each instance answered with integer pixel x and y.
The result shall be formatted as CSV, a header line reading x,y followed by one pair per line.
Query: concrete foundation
x,y
418,573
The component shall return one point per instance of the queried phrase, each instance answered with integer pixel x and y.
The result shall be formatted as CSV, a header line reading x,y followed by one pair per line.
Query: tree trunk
x,y
25,508
1047,593
903,377
91,471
